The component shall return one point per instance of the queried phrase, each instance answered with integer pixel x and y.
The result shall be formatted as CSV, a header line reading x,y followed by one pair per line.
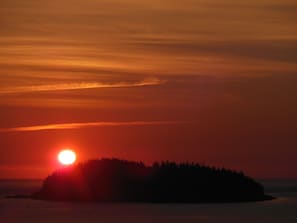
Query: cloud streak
x,y
80,125
79,86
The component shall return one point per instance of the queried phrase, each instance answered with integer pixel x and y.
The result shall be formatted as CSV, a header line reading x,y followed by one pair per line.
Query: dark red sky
x,y
206,81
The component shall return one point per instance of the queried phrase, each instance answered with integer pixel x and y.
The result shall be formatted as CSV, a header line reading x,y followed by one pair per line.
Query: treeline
x,y
110,180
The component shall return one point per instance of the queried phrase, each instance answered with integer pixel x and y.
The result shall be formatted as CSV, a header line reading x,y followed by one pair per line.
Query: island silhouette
x,y
115,180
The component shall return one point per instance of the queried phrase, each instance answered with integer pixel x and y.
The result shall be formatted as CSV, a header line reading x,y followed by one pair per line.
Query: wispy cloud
x,y
79,125
78,86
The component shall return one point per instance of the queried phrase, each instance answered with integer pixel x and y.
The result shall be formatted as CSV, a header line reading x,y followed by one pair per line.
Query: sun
x,y
66,157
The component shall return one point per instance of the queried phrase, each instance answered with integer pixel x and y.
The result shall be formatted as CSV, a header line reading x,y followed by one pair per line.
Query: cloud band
x,y
85,125
78,86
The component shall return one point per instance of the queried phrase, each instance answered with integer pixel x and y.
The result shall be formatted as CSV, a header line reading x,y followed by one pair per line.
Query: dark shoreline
x,y
20,196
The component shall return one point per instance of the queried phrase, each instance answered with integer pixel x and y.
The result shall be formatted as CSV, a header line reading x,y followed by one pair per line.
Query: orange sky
x,y
212,81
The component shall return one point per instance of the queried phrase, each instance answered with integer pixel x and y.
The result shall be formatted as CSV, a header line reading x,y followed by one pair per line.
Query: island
x,y
114,180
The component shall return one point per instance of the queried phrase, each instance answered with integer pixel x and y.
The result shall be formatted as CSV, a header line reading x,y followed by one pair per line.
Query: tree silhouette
x,y
126,181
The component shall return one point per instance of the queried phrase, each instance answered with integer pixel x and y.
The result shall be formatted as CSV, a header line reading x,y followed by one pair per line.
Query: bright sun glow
x,y
67,157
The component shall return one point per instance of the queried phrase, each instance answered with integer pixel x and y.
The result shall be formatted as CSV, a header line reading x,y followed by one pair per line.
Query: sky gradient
x,y
210,81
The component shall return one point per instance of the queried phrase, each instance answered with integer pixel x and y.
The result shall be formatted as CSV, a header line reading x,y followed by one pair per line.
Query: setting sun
x,y
66,157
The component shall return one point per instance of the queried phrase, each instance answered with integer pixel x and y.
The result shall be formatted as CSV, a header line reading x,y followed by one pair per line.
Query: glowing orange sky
x,y
211,81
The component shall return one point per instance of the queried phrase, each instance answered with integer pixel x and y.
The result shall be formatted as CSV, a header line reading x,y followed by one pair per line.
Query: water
x,y
282,209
